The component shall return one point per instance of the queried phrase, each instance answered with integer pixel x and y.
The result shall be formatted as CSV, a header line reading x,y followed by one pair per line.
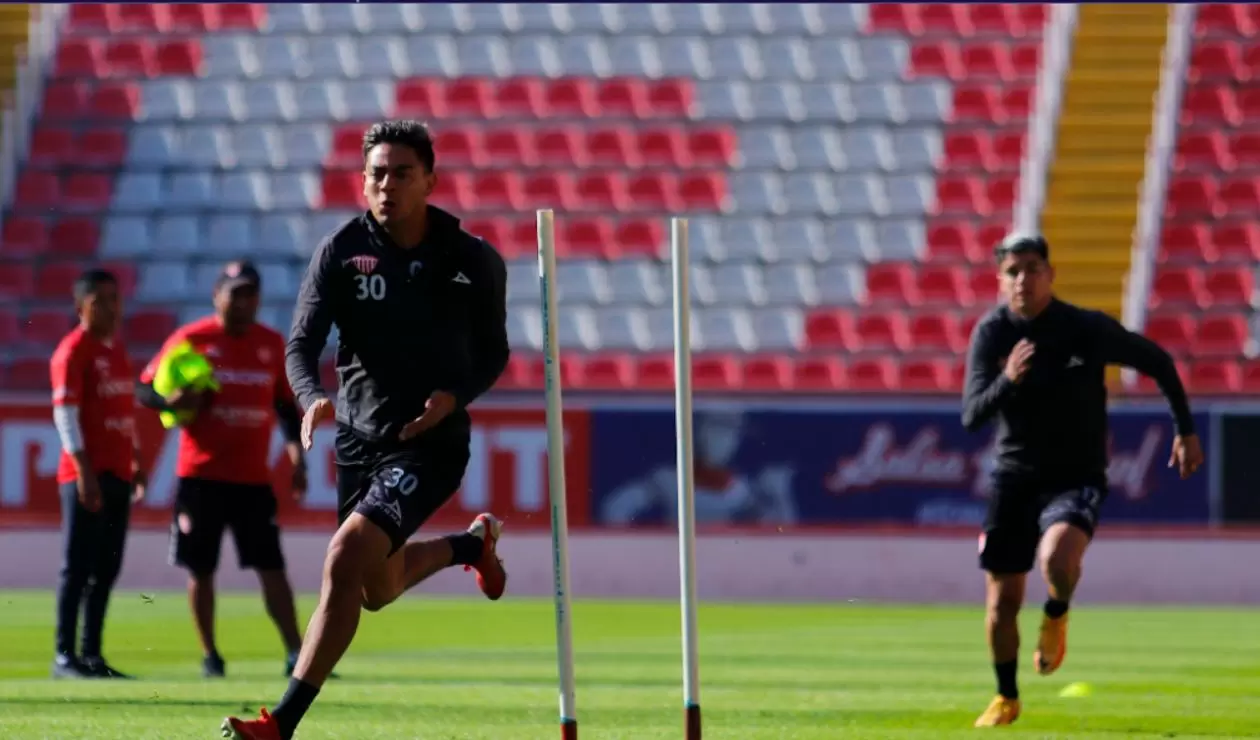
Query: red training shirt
x,y
230,441
95,377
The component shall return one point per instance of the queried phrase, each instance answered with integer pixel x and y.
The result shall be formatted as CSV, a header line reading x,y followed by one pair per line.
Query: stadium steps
x,y
14,26
1094,181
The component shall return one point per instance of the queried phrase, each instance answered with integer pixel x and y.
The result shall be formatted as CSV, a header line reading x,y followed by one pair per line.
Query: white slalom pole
x,y
555,473
686,474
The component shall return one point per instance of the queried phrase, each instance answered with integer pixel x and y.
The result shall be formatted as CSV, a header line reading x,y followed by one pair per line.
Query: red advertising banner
x,y
507,471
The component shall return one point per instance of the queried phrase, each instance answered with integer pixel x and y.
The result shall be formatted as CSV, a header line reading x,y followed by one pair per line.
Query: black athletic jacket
x,y
411,321
1052,426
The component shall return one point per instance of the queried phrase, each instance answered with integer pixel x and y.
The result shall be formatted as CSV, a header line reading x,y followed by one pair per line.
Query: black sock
x,y
1055,608
465,548
1006,678
293,706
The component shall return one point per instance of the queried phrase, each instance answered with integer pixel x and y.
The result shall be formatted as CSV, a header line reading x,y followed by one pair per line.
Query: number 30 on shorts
x,y
370,286
398,478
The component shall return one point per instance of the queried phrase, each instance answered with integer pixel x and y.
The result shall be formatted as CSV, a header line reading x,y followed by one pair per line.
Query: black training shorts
x,y
205,508
1018,516
399,485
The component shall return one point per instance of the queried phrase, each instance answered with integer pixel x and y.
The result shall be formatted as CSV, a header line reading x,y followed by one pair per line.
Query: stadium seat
x,y
819,374
1173,332
924,375
23,237
1235,242
768,373
1220,335
1210,376
1226,19
1185,243
1201,150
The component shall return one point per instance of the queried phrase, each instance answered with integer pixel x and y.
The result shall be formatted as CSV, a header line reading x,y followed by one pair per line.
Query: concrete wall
x,y
1182,570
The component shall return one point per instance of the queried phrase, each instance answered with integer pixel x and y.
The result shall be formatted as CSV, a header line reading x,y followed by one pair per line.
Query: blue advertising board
x,y
908,467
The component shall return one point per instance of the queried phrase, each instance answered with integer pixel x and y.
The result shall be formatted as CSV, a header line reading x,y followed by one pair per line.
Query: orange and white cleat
x,y
263,728
491,576
1051,645
1001,711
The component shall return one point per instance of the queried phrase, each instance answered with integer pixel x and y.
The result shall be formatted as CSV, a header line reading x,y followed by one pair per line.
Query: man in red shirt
x,y
99,472
223,466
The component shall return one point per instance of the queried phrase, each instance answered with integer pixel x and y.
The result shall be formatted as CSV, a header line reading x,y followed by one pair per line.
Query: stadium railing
x,y
1044,124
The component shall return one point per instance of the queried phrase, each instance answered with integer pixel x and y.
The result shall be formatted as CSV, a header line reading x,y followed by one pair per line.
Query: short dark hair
x,y
407,132
1022,244
91,281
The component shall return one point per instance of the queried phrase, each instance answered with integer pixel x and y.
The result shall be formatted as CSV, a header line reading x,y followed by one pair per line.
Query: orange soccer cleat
x,y
491,576
263,728
1001,711
1051,645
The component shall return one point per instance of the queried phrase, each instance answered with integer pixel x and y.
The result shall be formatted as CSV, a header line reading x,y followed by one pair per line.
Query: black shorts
x,y
204,508
1019,515
398,485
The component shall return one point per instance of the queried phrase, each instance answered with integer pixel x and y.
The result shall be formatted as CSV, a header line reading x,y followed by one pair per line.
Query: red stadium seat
x,y
52,147
1002,192
1178,287
1250,377
10,328
1240,196
943,286
978,103
181,58
1225,19
115,101
936,59
987,61
924,375
193,17
711,147
994,19
457,147
1032,15
584,237
509,147
612,147
23,237
882,332
1202,150
968,150
17,281
495,230
471,98
1008,150
670,98
653,191
830,330
960,194
37,190
1220,335
715,373
984,284
1244,147
1228,286
766,374
818,374
1249,68
1017,102
654,373
1207,376
944,19
149,327
1248,99
872,374
891,283
75,237
497,191
545,189
563,146
28,374
895,18
101,147
1210,105
702,191
144,17
637,237
420,98
609,372
663,147
935,332
1216,61
347,147
1236,242
1026,60
572,97
64,100
340,189
1185,243
1191,197
237,16
87,191
953,242
93,19
623,97
522,97
129,57
55,281
602,191
80,59
1172,331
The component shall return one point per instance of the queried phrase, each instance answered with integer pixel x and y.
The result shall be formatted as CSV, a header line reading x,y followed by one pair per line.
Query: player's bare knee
x,y
1003,601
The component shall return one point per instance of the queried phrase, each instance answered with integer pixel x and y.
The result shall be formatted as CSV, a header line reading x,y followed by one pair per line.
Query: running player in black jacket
x,y
1037,365
420,308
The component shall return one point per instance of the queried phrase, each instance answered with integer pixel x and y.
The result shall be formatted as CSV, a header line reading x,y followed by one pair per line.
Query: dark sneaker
x,y
212,666
68,666
97,666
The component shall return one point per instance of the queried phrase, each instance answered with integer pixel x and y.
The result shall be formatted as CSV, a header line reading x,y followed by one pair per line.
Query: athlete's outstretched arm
x,y
1119,346
312,321
987,387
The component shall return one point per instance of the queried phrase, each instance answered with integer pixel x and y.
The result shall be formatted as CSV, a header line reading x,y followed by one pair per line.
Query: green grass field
x,y
443,669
